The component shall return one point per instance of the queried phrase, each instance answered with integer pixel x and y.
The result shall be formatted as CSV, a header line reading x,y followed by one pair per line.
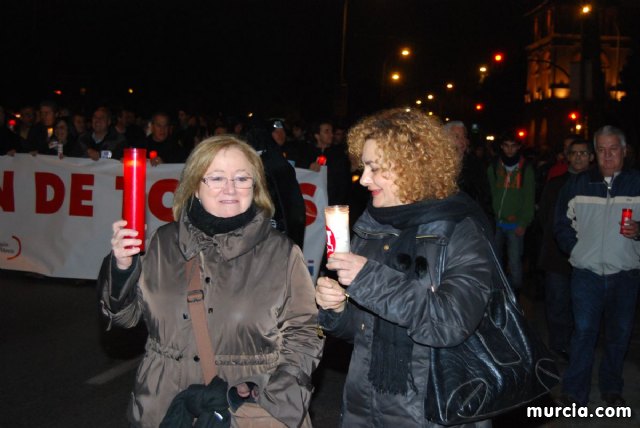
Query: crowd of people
x,y
553,217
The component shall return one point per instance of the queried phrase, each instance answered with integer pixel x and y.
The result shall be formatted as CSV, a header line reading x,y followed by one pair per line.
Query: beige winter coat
x,y
262,317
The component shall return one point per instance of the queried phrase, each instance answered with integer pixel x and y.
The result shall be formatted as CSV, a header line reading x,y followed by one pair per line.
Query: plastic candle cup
x,y
134,197
337,225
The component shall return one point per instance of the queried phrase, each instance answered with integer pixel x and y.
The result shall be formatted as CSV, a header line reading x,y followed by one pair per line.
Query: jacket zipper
x,y
607,213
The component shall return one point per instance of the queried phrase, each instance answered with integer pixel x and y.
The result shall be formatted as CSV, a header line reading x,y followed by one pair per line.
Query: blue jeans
x,y
515,248
594,296
557,296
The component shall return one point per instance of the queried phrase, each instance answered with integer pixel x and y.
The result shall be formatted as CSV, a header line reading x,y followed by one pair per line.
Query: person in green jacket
x,y
512,185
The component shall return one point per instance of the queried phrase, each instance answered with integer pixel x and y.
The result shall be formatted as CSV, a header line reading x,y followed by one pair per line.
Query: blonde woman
x,y
257,290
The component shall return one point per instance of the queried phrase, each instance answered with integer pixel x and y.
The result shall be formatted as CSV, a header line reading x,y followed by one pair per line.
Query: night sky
x,y
267,56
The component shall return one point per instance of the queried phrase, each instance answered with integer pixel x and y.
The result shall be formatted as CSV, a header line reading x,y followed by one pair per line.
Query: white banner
x,y
56,214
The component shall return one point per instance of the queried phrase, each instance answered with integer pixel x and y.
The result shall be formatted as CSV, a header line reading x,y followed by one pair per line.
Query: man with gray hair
x,y
604,252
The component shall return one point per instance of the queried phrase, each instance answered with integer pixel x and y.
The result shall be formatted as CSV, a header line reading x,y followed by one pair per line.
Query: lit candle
x,y
337,224
133,198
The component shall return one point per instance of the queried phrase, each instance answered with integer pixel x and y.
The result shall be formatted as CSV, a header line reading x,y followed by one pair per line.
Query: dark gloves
x,y
206,403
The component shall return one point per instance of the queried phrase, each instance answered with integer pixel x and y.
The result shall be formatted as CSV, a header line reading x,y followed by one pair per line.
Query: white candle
x,y
337,224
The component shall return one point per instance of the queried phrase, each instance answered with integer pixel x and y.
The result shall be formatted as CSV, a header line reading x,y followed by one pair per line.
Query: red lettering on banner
x,y
7,201
79,194
157,191
44,180
154,198
311,209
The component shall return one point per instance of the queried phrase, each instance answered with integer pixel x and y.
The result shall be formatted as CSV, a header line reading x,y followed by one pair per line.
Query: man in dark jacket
x,y
552,261
39,140
473,176
322,152
9,142
290,214
161,148
103,142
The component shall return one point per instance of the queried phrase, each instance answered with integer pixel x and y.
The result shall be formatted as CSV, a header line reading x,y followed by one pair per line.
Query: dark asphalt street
x,y
55,373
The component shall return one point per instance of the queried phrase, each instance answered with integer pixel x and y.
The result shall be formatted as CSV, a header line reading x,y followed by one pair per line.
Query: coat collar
x,y
229,245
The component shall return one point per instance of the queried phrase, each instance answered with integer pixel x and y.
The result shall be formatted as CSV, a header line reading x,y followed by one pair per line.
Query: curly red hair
x,y
416,147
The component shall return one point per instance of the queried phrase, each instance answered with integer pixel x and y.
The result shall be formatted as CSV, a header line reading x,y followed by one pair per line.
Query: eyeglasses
x,y
579,152
219,182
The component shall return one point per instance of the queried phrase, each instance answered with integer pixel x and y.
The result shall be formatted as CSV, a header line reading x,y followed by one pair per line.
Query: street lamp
x,y
404,54
483,72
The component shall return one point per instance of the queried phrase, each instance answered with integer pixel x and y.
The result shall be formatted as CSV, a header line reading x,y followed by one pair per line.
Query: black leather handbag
x,y
500,367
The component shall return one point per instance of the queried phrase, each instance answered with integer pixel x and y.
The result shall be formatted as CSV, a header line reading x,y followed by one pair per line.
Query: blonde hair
x,y
199,161
416,147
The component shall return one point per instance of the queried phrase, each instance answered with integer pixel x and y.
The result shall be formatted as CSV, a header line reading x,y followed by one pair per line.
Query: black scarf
x,y
212,225
390,367
391,349
509,161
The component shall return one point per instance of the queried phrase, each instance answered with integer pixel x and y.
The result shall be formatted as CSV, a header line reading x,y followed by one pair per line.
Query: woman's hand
x,y
244,391
347,265
330,295
124,244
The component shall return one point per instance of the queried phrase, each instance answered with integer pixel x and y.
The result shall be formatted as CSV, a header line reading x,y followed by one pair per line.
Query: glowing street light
x,y
586,9
393,76
483,69
418,102
449,85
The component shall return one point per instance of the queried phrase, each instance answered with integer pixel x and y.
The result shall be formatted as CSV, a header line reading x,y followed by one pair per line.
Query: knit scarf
x,y
510,179
212,225
391,349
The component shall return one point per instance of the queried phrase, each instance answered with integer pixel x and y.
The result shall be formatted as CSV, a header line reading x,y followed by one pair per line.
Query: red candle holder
x,y
626,215
133,196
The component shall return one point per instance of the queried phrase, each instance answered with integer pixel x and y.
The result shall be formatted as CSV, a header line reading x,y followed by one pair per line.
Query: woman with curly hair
x,y
418,275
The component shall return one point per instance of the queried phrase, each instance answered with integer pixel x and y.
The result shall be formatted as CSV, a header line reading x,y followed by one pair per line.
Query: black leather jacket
x,y
462,264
